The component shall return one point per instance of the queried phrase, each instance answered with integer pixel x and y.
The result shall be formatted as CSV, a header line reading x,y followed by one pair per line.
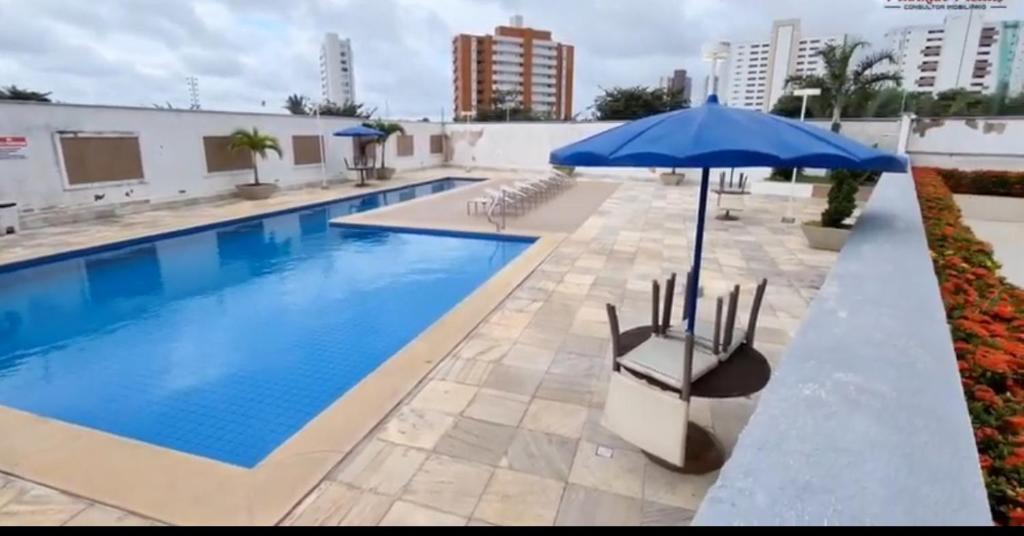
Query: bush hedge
x,y
986,318
1000,183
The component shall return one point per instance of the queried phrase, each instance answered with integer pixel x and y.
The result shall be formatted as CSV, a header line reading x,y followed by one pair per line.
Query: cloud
x,y
250,52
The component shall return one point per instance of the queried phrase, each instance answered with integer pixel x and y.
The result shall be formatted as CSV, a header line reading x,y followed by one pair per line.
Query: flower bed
x,y
986,182
986,318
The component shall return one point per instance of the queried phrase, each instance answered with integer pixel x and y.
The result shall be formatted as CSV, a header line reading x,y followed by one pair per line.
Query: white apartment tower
x,y
754,75
962,52
337,77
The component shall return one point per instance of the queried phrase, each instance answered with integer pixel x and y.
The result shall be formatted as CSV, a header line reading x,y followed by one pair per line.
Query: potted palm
x,y
383,172
257,143
831,231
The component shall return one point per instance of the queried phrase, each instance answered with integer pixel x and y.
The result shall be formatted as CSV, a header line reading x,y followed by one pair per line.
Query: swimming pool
x,y
224,342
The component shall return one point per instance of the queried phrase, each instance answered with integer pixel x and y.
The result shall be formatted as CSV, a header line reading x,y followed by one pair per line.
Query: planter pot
x,y
385,174
672,179
827,238
255,192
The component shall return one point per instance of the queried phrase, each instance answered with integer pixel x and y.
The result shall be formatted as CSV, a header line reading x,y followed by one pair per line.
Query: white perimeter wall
x,y
968,143
173,161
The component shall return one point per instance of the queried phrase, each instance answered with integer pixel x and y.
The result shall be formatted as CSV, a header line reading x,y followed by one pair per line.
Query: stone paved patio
x,y
505,430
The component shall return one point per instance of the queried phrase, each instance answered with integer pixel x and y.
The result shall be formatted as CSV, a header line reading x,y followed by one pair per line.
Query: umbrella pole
x,y
698,249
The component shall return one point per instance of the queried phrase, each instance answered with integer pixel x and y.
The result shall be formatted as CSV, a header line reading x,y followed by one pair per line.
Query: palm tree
x,y
843,82
13,92
256,143
350,109
388,129
297,104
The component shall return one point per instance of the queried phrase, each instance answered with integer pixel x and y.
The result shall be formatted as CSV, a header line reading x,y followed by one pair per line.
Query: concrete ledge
x,y
991,207
864,422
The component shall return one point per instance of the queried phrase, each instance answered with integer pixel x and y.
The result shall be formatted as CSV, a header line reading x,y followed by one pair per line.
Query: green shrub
x,y
783,174
985,182
568,170
842,197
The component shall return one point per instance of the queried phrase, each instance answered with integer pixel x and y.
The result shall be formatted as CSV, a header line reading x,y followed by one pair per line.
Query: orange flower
x,y
985,462
1004,311
1016,459
993,361
985,394
1016,422
984,433
1016,517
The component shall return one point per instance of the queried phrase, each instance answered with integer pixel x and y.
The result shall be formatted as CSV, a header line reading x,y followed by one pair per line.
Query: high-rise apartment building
x,y
962,52
337,76
755,72
524,64
679,81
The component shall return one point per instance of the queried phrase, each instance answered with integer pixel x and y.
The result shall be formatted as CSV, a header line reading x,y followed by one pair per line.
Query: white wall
x,y
968,143
172,152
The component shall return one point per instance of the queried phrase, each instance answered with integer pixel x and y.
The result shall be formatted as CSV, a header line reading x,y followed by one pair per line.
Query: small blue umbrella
x,y
359,132
712,136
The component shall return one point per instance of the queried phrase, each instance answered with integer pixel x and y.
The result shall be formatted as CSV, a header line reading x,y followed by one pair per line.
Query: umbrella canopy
x,y
713,135
719,136
359,131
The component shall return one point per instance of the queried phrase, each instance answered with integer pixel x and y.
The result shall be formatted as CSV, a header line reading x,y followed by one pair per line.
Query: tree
x,y
388,129
843,82
13,92
297,104
623,104
256,143
505,105
350,109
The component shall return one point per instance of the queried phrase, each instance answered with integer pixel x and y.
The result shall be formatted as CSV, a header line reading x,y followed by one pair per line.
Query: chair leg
x,y
716,345
655,300
613,324
666,315
730,316
755,311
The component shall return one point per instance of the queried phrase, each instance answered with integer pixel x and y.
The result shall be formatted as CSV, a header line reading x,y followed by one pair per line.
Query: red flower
x,y
984,393
1016,459
984,433
1016,422
985,462
1016,517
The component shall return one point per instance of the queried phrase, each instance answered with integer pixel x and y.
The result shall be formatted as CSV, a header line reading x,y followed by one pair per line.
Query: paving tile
x,y
555,418
449,485
589,507
545,455
571,389
568,363
416,427
405,514
328,504
444,396
102,516
514,498
482,348
542,337
676,489
586,345
466,371
661,515
499,407
38,506
526,356
380,467
595,433
623,473
518,380
476,441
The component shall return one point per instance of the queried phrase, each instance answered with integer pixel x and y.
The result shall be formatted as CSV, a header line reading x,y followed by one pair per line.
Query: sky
x,y
249,55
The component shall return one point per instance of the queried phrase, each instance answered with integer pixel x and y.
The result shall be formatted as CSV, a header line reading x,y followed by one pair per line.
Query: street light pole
x,y
323,154
805,93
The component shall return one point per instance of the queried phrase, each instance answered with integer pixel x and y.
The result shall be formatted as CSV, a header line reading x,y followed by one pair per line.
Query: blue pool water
x,y
224,342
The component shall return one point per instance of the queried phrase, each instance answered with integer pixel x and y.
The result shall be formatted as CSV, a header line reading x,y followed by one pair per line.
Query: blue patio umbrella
x,y
711,136
359,132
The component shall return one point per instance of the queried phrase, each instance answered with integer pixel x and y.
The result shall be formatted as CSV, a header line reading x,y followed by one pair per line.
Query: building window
x,y
96,159
406,145
220,158
306,150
